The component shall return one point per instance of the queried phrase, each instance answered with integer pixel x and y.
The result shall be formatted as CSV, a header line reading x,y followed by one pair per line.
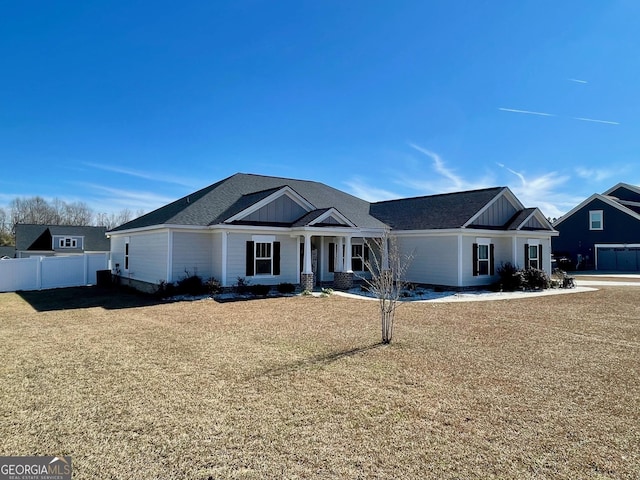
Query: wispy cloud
x,y
361,189
545,191
440,167
597,174
111,199
596,121
576,80
528,112
153,176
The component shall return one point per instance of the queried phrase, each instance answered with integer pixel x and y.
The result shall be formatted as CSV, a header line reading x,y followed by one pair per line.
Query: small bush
x,y
191,285
510,277
213,286
285,288
242,286
260,290
165,290
327,291
535,279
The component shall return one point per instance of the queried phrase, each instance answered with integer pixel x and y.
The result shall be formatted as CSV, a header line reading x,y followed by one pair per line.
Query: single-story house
x,y
55,240
602,232
271,230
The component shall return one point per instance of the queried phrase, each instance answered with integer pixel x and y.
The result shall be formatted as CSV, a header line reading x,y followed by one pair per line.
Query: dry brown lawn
x,y
299,387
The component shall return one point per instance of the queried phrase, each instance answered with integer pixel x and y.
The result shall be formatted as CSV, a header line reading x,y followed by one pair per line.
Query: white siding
x,y
147,257
236,260
117,252
216,252
192,253
435,259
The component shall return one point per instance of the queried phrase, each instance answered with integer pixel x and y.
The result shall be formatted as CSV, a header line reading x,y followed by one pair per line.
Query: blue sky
x,y
133,104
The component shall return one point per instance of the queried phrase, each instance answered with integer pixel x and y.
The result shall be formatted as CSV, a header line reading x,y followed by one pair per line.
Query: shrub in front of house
x,y
191,285
213,286
535,279
286,288
511,277
260,290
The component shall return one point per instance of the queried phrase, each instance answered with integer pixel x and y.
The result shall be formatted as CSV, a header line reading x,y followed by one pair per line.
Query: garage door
x,y
619,259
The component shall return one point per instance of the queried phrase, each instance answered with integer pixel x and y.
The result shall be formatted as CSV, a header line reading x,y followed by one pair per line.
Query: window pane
x,y
483,267
483,252
533,252
356,264
263,267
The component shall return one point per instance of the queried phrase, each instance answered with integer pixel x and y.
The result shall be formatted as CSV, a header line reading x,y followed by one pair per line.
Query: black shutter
x,y
526,255
365,254
276,258
540,264
332,257
475,259
492,263
250,256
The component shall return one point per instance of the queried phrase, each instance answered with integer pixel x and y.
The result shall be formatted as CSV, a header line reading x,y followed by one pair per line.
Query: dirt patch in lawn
x,y
299,387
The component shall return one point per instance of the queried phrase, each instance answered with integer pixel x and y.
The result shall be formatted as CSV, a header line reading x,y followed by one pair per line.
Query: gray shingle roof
x,y
27,234
216,203
448,210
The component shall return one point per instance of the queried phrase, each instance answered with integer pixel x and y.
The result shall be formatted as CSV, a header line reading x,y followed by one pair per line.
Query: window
x,y
68,242
533,254
534,261
596,220
483,261
357,258
263,258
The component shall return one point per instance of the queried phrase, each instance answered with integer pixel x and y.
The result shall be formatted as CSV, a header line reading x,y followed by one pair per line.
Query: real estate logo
x,y
35,468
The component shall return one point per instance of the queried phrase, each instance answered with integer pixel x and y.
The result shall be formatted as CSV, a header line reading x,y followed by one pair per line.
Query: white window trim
x,y
360,257
62,242
257,239
484,242
592,213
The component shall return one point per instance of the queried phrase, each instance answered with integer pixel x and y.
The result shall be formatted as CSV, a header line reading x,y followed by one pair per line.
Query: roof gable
x,y
594,198
624,192
218,203
283,205
497,212
530,219
443,211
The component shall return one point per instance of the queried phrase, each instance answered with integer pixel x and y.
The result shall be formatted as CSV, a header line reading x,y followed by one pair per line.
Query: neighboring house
x,y
602,232
271,230
50,240
8,251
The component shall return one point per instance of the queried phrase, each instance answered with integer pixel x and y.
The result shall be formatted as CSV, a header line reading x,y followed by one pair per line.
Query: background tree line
x,y
36,210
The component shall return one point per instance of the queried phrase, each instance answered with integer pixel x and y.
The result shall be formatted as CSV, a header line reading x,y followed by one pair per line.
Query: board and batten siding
x,y
147,257
192,255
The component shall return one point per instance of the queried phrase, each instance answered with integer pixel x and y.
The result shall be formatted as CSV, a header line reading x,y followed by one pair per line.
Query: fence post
x,y
39,272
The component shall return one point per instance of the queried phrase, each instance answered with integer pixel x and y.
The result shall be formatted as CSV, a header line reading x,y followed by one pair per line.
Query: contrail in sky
x,y
527,112
577,81
594,120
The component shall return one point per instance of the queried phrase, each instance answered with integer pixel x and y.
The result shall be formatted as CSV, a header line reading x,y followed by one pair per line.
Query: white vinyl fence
x,y
39,273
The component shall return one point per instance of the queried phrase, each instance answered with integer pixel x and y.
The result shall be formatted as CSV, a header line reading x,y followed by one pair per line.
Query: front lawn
x,y
299,387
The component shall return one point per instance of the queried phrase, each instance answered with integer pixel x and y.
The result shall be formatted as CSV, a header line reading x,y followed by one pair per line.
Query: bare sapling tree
x,y
388,268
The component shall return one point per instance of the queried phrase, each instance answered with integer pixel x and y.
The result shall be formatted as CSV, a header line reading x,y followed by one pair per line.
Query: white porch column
x,y
339,261
307,254
347,254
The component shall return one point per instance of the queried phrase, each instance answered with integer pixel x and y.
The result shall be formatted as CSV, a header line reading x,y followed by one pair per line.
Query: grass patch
x,y
299,387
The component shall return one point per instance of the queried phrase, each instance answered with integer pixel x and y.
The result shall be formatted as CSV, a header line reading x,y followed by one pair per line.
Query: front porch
x,y
332,259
